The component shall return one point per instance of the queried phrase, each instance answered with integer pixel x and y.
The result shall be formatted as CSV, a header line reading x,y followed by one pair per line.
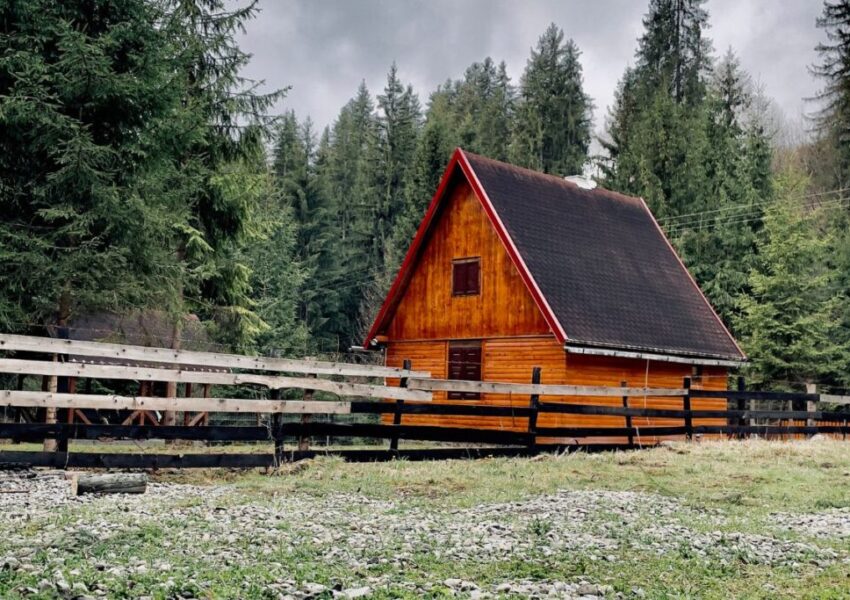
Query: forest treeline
x,y
139,170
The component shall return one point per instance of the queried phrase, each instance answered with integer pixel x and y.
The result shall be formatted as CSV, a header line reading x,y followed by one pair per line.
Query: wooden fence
x,y
73,360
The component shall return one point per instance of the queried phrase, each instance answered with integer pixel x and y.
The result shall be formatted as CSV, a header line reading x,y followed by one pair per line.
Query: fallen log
x,y
111,483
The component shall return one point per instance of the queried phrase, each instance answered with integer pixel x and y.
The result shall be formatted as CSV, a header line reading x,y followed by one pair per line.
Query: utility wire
x,y
671,220
749,217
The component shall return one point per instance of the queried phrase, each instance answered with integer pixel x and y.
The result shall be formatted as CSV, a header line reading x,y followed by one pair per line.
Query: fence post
x,y
686,406
741,405
534,406
631,437
811,388
307,396
50,384
407,365
276,425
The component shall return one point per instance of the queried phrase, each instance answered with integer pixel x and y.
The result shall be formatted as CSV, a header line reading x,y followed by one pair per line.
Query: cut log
x,y
112,483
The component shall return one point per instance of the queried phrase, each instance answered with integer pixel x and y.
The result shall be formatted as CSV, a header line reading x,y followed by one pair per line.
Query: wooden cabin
x,y
512,269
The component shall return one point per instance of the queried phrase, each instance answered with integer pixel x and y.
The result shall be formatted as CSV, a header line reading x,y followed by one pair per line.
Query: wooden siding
x,y
512,359
428,310
514,334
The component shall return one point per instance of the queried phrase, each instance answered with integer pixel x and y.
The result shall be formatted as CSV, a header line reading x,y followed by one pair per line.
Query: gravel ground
x,y
833,523
381,545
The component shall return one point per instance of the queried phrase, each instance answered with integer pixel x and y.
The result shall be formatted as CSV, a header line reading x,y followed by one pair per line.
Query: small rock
x,y
314,589
587,589
359,592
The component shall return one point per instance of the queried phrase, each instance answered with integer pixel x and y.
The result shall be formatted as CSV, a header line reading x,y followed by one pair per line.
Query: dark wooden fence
x,y
747,412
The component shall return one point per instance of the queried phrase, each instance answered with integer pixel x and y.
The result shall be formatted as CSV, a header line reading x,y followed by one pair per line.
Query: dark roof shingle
x,y
603,265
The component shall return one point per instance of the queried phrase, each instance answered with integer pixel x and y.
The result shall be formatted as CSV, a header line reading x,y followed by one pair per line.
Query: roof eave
x,y
743,356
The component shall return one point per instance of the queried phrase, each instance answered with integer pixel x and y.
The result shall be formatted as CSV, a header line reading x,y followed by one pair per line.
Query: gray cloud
x,y
324,48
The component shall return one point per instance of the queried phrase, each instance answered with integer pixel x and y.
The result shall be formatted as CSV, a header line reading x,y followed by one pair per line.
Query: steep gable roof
x,y
596,262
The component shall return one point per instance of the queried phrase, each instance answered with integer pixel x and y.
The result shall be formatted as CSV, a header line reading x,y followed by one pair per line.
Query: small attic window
x,y
466,276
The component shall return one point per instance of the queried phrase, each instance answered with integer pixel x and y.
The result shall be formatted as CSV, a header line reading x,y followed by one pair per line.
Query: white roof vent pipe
x,y
585,183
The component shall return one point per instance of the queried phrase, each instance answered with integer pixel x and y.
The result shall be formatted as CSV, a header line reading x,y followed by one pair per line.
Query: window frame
x,y
475,345
465,263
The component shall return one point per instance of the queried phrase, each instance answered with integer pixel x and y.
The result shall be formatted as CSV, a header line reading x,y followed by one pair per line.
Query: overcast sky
x,y
324,48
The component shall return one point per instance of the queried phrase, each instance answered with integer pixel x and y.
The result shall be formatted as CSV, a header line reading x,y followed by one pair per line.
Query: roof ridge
x,y
548,176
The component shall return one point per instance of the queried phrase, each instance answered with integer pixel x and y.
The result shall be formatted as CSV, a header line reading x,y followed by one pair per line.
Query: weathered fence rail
x,y
530,428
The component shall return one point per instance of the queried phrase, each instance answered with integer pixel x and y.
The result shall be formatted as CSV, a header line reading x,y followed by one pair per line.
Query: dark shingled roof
x,y
602,265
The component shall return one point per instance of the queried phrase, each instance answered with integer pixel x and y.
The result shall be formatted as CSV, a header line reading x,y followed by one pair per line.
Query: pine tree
x,y
85,98
656,131
790,316
219,176
277,276
673,54
552,129
719,245
429,162
398,129
348,179
833,119
832,149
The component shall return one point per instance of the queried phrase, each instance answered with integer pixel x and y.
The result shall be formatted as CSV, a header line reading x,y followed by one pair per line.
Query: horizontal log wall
x,y
512,360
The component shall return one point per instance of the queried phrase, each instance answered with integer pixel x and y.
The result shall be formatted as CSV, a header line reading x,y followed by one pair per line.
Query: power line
x,y
753,211
740,218
671,220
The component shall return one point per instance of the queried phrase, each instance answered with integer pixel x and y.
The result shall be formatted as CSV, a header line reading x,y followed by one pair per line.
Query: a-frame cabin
x,y
512,269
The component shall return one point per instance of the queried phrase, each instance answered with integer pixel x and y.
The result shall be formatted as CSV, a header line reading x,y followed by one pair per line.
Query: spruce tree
x,y
832,148
349,178
790,317
86,99
218,139
719,243
398,129
657,134
833,117
553,122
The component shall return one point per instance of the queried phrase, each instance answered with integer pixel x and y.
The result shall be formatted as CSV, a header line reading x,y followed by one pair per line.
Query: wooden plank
x,y
199,359
109,460
112,460
750,395
834,399
212,433
115,402
489,387
410,432
37,432
429,408
35,367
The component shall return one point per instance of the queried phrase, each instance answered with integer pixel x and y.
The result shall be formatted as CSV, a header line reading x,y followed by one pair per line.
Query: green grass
x,y
726,486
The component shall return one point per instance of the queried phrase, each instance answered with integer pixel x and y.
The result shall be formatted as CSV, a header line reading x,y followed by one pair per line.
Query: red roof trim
x,y
693,281
516,257
394,295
